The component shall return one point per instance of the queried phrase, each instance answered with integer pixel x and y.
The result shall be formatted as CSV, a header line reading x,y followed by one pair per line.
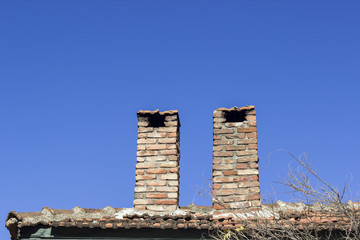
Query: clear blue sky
x,y
74,74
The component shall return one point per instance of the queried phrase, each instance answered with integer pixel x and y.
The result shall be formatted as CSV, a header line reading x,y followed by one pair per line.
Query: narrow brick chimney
x,y
235,160
157,168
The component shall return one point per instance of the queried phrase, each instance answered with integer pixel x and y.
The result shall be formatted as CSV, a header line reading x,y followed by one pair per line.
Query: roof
x,y
189,217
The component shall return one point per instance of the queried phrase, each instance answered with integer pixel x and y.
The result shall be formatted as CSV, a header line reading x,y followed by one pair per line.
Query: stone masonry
x,y
157,168
235,160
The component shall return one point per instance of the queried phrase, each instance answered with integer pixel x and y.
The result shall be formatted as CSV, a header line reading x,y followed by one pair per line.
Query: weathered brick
x,y
171,124
168,164
167,189
250,118
156,183
248,172
145,177
156,147
140,147
172,134
167,140
224,192
244,153
168,152
173,170
247,159
171,146
156,195
156,171
145,129
167,129
145,165
223,167
252,124
252,135
253,146
146,141
154,158
235,148
147,153
217,125
223,131
169,176
171,118
219,120
223,154
166,202
246,141
217,148
223,179
231,172
235,136
156,135
241,166
139,172
143,124
174,183
218,114
253,165
230,186
144,201
173,157
246,130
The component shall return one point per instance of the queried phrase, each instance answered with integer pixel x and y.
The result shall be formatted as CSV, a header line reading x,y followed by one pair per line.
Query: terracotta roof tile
x,y
195,217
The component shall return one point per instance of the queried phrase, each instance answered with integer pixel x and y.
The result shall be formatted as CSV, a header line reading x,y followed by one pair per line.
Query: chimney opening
x,y
156,120
235,116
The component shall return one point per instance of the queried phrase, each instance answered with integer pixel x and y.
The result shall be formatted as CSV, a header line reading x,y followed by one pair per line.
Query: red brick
x,y
216,186
223,131
250,118
219,120
235,136
144,201
156,135
253,146
223,142
252,124
145,129
168,152
223,167
156,147
173,170
231,172
253,165
156,171
218,114
217,137
172,135
224,192
171,124
156,183
245,153
146,165
167,129
252,135
166,202
254,197
156,195
139,172
223,179
217,148
167,140
223,154
147,153
246,141
241,166
145,177
172,176
143,124
247,159
146,141
247,130
235,148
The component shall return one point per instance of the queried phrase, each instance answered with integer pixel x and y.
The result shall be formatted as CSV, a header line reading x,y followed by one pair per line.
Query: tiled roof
x,y
190,217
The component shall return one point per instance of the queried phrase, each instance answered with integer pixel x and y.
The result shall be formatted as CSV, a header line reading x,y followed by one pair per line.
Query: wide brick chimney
x,y
235,160
157,168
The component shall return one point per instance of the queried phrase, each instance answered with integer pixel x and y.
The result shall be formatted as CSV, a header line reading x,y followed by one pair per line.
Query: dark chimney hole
x,y
235,116
156,120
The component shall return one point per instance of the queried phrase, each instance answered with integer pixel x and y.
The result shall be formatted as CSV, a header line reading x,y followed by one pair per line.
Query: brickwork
x,y
235,160
157,168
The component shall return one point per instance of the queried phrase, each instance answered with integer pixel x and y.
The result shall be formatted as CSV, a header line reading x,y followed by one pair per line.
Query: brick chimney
x,y
157,168
235,160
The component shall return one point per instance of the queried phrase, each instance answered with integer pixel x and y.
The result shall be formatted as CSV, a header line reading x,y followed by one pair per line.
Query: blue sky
x,y
74,73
